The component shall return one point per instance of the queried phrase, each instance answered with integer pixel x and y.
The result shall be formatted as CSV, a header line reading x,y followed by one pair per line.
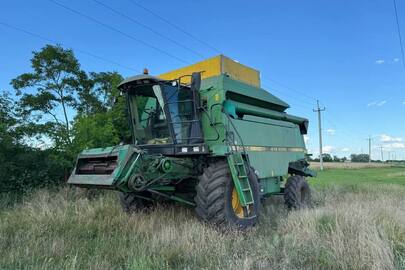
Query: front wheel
x,y
297,193
217,201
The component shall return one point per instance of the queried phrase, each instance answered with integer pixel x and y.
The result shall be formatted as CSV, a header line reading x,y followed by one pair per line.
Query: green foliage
x,y
359,157
23,168
102,101
327,157
92,131
54,80
62,107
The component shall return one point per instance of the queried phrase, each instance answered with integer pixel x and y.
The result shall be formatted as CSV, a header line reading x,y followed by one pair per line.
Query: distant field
x,y
350,165
358,222
356,177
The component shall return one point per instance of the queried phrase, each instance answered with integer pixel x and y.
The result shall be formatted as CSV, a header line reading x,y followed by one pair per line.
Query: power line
x,y
76,49
290,88
118,31
175,26
148,28
303,101
399,33
179,44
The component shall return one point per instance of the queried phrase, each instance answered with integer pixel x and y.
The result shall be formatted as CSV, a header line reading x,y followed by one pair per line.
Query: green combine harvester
x,y
207,136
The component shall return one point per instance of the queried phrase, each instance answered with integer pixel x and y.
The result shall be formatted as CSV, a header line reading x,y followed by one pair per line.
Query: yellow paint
x,y
213,67
236,205
217,98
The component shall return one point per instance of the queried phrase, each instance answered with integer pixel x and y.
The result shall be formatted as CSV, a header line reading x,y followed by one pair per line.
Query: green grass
x,y
388,175
358,222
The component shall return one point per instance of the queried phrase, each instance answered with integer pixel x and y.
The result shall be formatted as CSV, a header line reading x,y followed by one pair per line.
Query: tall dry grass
x,y
361,228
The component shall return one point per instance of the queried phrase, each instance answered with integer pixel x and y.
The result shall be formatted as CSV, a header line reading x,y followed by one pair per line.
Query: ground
x,y
357,222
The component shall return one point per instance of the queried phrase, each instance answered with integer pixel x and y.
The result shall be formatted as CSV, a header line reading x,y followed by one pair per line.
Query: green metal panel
x,y
270,185
131,161
270,143
122,152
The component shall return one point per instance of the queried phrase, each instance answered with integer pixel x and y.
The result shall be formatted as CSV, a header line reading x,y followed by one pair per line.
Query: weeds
x,y
362,228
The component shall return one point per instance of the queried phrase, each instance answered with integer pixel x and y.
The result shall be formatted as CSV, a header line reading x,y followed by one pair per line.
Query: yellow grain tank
x,y
215,66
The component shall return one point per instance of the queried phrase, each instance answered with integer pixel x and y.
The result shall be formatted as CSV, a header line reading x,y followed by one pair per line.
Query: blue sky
x,y
344,53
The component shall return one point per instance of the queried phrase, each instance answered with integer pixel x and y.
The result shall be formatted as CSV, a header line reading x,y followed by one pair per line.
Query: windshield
x,y
148,117
161,110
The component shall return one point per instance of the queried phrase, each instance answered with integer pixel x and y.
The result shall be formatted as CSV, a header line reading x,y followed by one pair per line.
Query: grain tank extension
x,y
208,136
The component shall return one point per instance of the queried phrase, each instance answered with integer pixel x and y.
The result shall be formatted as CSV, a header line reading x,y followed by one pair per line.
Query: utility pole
x,y
382,154
369,149
319,110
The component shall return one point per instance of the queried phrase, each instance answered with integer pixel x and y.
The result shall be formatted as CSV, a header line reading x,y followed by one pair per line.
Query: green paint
x,y
240,178
270,185
235,117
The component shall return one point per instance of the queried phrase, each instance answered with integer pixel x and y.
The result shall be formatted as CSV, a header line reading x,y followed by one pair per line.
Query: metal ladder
x,y
238,169
240,178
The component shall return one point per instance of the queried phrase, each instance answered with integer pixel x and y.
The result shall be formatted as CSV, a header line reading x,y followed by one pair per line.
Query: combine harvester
x,y
207,136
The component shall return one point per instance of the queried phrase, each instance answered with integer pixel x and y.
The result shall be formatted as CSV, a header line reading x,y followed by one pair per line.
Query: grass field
x,y
353,165
358,222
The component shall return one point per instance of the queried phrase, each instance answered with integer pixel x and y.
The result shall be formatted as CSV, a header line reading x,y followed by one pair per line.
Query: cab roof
x,y
140,79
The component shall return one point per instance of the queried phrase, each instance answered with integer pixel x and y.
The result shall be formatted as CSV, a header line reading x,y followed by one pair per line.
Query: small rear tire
x,y
297,193
131,203
217,202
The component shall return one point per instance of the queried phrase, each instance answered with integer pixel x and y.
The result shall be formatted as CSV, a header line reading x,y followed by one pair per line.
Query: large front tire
x,y
216,202
297,193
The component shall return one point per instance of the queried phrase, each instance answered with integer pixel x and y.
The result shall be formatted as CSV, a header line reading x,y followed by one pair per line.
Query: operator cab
x,y
164,115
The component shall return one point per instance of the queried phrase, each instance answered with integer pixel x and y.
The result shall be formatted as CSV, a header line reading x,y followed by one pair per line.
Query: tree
x,y
102,118
327,158
60,102
55,78
22,168
359,157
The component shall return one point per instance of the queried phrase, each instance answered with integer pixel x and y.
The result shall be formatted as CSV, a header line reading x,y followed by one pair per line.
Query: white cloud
x,y
330,131
345,149
376,103
380,61
388,139
328,149
372,103
394,146
396,60
379,104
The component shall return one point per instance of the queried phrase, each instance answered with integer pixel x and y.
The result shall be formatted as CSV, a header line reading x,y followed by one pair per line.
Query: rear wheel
x,y
217,201
131,203
297,193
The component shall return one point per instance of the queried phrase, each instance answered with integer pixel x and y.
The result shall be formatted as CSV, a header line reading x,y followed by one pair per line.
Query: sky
x,y
344,53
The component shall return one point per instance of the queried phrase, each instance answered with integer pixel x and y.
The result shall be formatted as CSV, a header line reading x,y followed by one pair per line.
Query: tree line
x,y
353,158
56,111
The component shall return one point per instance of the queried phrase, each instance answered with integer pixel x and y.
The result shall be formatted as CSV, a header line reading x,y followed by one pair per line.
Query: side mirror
x,y
195,81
